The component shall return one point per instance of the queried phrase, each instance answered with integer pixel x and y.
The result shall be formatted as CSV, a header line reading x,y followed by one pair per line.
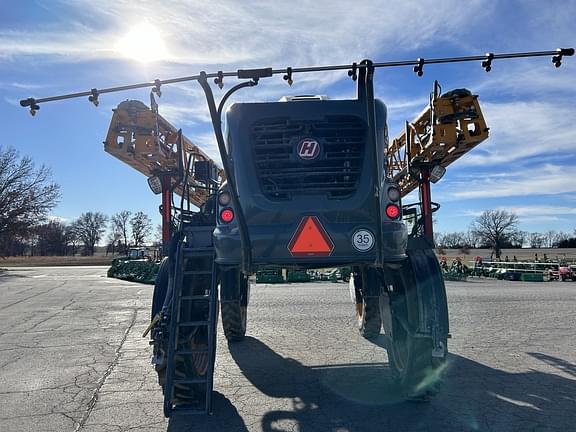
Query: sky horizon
x,y
63,46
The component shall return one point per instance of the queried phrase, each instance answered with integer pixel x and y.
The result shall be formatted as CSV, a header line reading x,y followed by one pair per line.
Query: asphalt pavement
x,y
72,359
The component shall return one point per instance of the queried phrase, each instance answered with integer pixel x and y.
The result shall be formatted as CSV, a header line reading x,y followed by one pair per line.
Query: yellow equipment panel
x,y
143,139
451,126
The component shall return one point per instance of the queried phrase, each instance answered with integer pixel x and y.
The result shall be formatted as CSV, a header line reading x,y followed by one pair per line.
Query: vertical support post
x,y
366,91
426,201
166,212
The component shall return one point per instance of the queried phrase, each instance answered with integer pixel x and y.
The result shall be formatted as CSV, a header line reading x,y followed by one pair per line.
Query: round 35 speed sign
x,y
363,240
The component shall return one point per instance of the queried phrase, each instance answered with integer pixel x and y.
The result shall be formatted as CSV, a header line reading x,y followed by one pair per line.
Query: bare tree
x,y
113,240
536,240
439,238
158,234
141,227
518,238
72,238
51,238
27,194
470,239
495,227
90,227
454,240
549,237
120,225
559,238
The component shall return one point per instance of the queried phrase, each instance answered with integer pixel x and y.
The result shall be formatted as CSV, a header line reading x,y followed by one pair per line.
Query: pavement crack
x,y
33,295
42,321
107,373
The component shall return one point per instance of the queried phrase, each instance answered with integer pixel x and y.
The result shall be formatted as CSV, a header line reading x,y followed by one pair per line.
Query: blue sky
x,y
526,166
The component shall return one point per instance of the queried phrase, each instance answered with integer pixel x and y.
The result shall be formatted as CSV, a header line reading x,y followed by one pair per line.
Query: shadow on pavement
x,y
362,397
225,418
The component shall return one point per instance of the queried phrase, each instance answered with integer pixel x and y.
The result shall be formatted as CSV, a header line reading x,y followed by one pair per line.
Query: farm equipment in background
x,y
306,183
269,275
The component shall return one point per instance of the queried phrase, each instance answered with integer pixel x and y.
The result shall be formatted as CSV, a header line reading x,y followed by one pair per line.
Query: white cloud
x,y
53,218
531,211
528,78
548,179
184,114
253,33
207,142
524,129
542,210
69,46
12,101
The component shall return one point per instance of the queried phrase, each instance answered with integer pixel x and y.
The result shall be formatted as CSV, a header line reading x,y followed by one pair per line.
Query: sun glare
x,y
143,43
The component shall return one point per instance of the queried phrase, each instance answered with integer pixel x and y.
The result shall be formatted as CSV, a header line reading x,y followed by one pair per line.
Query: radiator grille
x,y
284,175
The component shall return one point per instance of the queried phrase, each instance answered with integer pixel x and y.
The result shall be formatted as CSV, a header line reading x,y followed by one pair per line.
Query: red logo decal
x,y
308,149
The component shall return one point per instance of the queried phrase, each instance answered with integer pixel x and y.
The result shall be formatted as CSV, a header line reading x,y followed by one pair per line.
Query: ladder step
x,y
195,297
191,409
193,323
203,251
197,272
190,381
191,351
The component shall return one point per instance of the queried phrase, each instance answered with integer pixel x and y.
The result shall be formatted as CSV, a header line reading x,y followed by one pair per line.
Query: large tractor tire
x,y
160,288
416,363
367,303
235,293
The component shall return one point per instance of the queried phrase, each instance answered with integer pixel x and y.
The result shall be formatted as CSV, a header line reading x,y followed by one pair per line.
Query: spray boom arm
x,y
144,140
451,126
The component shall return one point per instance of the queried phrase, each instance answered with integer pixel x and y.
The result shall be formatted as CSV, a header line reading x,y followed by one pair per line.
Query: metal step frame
x,y
192,260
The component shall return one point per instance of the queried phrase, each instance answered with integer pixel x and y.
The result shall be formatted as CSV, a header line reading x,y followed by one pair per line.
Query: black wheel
x,y
411,358
235,290
160,288
367,305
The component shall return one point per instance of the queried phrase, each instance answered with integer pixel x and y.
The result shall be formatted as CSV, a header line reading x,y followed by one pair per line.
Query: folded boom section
x,y
451,126
143,139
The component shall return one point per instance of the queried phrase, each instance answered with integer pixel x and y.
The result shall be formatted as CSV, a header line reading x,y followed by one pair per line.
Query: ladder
x,y
192,328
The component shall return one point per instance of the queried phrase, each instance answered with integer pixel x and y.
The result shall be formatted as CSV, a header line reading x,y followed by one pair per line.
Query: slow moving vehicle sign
x,y
310,239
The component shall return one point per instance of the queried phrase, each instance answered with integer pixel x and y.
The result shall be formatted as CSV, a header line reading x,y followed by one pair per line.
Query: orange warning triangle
x,y
310,239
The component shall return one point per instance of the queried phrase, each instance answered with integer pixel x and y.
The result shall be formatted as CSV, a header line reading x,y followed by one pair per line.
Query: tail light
x,y
394,193
227,215
224,198
392,211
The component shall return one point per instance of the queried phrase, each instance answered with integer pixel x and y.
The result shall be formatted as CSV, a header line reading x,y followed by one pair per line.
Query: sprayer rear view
x,y
307,182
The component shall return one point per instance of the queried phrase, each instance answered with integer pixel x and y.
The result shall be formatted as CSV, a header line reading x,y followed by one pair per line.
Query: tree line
x,y
28,193
498,229
83,235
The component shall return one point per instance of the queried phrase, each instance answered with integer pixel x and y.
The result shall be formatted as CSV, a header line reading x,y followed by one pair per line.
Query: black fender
x,y
234,286
431,291
160,287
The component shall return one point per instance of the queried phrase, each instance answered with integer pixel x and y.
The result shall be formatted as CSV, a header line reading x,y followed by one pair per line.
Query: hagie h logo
x,y
308,149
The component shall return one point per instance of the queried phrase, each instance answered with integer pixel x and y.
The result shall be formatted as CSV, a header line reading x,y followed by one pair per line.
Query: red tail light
x,y
227,215
392,211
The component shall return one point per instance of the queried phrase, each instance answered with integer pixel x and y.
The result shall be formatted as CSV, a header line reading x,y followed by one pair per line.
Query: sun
x,y
143,43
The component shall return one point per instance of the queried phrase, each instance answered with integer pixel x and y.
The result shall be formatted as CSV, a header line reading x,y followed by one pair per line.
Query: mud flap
x,y
431,291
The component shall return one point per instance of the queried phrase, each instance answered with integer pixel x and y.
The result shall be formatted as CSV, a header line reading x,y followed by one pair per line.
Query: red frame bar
x,y
426,201
166,212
